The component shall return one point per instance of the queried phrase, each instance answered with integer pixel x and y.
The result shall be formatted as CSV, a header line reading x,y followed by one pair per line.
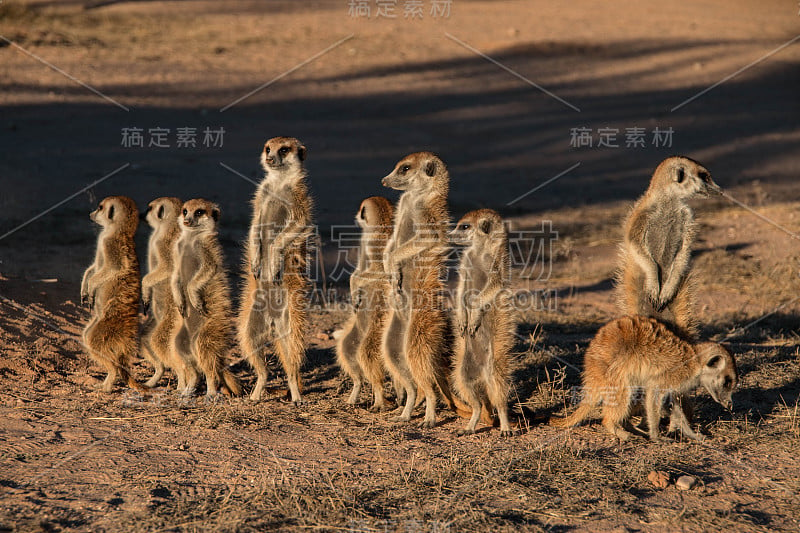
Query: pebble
x,y
686,482
658,478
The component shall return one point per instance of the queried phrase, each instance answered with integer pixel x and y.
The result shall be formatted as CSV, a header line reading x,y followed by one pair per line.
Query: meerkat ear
x,y
715,362
485,226
161,212
301,152
215,213
430,168
111,212
680,174
363,213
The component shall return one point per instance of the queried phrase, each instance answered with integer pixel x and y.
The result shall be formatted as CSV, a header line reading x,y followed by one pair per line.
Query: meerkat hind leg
x,y
615,411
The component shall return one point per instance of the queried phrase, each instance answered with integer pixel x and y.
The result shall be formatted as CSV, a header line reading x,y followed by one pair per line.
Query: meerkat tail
x,y
231,383
579,415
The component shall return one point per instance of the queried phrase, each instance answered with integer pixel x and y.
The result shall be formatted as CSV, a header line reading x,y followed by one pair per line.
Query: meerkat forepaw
x,y
465,431
507,433
427,424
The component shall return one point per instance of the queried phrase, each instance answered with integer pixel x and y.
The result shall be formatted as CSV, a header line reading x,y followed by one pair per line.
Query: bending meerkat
x,y
163,318
637,353
653,278
111,288
273,307
484,317
418,340
200,290
359,346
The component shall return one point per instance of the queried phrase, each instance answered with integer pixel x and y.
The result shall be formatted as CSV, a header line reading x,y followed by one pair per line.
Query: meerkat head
x,y
118,213
375,212
282,155
199,215
162,210
718,373
683,178
422,172
481,228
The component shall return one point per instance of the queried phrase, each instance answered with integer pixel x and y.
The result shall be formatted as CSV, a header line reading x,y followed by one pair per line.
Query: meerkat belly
x,y
275,220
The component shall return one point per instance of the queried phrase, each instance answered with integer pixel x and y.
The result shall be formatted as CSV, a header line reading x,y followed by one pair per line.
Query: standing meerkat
x,y
638,354
200,290
274,302
653,278
163,318
484,317
359,348
418,340
112,289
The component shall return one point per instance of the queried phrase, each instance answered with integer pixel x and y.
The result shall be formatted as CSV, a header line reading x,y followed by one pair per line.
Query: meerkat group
x,y
401,324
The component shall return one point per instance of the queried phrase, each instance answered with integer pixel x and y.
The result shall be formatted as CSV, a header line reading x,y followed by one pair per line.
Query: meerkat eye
x,y
160,212
681,175
111,212
464,227
363,213
199,213
404,169
185,212
283,150
266,150
705,176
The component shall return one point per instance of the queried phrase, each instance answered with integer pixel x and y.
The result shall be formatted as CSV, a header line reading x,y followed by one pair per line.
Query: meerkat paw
x,y
507,433
381,408
465,431
152,382
427,424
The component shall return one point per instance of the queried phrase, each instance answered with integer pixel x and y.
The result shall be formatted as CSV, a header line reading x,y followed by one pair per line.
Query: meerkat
x,y
639,354
112,289
200,290
654,278
484,317
359,347
273,309
162,317
418,340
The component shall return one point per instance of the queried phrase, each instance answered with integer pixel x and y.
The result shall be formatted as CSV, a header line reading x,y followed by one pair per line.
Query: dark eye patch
x,y
185,212
681,175
160,211
464,226
199,212
283,150
266,150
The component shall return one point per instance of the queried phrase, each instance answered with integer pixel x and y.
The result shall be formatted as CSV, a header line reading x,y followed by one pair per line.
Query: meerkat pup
x,y
359,348
200,290
418,340
653,278
112,289
162,318
483,316
273,309
637,354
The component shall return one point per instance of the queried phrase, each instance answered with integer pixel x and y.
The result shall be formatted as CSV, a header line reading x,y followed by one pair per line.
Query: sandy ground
x,y
75,459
